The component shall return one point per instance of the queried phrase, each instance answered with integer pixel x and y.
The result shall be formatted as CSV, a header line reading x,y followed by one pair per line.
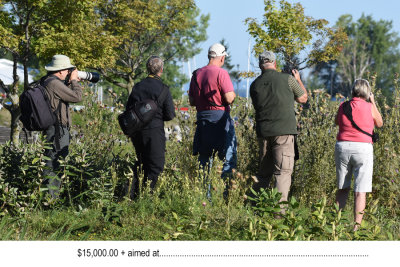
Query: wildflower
x,y
254,179
204,204
318,91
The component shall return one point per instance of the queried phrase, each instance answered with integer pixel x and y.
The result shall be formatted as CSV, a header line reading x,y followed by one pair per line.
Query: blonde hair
x,y
361,89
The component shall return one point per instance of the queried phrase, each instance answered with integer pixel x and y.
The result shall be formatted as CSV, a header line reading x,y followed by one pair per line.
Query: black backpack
x,y
36,113
140,114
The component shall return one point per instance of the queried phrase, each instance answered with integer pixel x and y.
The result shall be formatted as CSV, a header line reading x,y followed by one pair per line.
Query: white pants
x,y
354,158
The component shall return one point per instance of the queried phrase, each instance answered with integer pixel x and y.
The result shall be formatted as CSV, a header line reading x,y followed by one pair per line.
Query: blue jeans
x,y
230,158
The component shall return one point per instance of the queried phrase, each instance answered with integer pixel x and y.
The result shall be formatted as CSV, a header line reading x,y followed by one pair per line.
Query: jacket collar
x,y
154,77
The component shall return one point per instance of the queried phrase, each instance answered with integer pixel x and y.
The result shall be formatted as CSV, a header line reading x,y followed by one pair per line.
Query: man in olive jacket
x,y
62,87
273,94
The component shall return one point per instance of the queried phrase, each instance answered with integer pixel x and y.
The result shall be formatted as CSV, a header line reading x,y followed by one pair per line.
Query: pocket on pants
x,y
284,140
287,161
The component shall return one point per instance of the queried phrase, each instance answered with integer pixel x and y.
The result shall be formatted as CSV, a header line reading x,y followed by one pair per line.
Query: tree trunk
x,y
26,81
14,109
130,85
15,125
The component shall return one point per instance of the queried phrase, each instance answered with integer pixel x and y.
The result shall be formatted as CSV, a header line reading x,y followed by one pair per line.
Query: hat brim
x,y
53,68
222,55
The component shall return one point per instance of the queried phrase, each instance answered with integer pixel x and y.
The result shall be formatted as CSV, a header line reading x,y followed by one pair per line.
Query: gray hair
x,y
361,89
211,55
154,65
266,65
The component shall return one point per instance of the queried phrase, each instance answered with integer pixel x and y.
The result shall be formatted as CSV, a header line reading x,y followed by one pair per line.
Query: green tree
x,y
43,28
167,28
234,74
373,48
289,32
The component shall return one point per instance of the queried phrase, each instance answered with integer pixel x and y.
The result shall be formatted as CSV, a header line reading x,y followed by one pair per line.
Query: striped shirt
x,y
295,86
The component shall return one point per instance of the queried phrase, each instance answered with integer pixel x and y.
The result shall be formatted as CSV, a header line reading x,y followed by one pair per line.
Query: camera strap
x,y
68,77
161,97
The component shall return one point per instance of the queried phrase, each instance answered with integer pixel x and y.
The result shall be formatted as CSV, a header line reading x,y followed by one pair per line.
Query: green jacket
x,y
273,101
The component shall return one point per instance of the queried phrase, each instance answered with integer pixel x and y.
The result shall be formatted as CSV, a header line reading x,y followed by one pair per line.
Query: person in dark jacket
x,y
149,143
273,94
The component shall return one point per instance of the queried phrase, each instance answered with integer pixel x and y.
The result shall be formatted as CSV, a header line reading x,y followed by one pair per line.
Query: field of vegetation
x,y
96,174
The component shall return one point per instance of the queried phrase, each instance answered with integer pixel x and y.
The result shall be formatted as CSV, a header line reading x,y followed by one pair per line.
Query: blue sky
x,y
227,20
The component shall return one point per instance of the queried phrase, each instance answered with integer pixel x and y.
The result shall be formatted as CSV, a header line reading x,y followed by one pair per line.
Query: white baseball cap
x,y
217,50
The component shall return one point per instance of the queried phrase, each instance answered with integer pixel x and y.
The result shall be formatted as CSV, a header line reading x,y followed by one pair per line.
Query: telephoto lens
x,y
92,77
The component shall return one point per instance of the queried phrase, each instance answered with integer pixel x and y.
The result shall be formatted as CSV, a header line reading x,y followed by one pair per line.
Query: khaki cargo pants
x,y
276,158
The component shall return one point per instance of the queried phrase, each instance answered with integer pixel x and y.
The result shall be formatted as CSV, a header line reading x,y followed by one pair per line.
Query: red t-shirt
x,y
362,116
214,82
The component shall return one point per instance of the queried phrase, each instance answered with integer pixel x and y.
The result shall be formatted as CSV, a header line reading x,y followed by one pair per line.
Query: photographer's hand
x,y
296,75
378,121
372,98
74,75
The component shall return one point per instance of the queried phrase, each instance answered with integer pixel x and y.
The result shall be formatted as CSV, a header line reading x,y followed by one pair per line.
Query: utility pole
x,y
248,70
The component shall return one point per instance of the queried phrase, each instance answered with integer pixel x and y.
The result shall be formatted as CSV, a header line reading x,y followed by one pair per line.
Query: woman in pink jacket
x,y
353,149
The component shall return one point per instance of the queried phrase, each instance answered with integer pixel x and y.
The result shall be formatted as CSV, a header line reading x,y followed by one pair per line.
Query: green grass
x,y
99,166
151,218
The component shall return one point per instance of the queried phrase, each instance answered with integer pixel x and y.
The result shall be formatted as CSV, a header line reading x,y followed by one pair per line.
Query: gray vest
x,y
273,101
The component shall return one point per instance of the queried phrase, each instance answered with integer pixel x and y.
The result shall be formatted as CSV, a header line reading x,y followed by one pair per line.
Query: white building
x,y
6,72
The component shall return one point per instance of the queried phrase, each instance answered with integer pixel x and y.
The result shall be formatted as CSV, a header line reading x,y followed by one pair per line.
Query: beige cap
x,y
266,57
59,62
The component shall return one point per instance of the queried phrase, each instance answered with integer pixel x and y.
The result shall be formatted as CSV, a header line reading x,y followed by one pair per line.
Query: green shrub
x,y
99,168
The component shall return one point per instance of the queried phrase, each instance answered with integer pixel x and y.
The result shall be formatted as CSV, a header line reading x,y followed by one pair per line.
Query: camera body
x,y
288,68
92,77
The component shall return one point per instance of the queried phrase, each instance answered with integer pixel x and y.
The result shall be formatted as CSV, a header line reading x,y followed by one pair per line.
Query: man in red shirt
x,y
211,92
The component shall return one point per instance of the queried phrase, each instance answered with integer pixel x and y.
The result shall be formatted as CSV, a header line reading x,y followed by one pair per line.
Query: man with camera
x,y
62,88
149,142
211,91
273,94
